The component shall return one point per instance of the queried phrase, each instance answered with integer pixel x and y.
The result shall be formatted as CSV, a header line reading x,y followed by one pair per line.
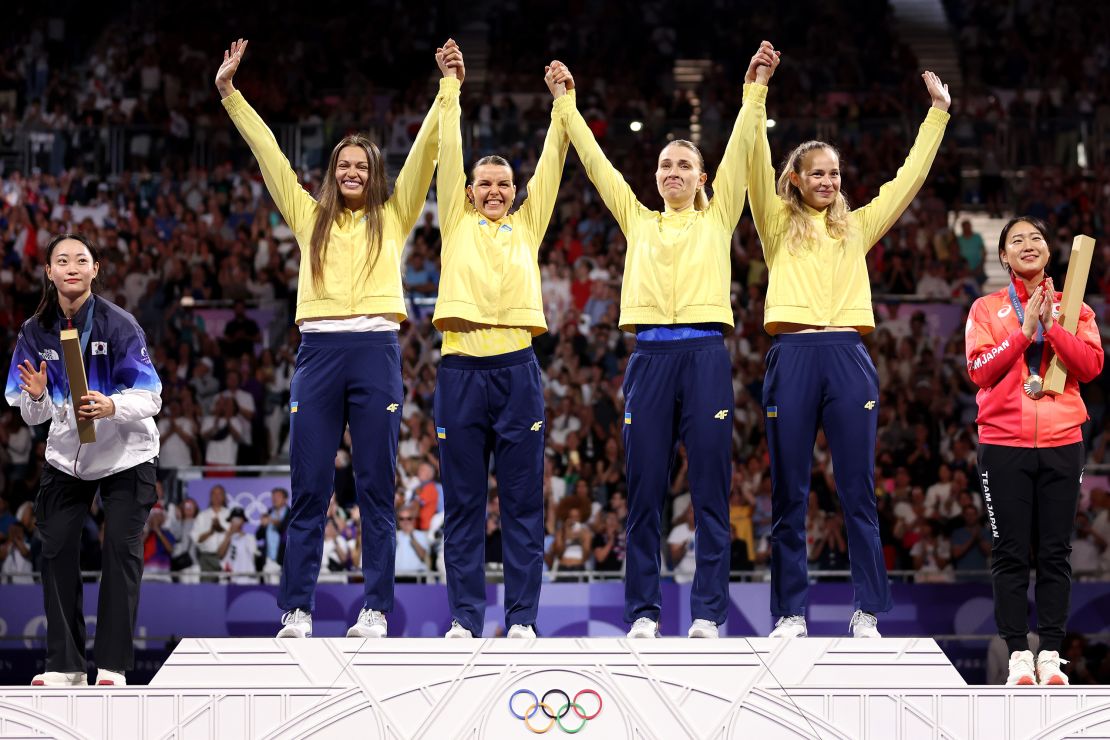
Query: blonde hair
x,y
800,233
701,200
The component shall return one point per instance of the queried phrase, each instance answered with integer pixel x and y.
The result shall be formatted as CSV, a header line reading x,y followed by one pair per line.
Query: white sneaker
x,y
371,623
703,628
104,677
458,631
56,678
1048,668
297,623
1021,669
522,632
792,626
864,624
644,627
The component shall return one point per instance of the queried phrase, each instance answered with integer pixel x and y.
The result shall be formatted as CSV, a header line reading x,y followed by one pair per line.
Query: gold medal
x,y
1034,387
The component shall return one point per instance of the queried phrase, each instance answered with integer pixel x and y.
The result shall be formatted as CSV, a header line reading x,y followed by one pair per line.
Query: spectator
x,y
158,543
970,544
680,545
271,533
972,250
426,495
570,548
932,554
224,431
412,545
609,543
237,549
241,333
15,556
182,524
1086,550
210,526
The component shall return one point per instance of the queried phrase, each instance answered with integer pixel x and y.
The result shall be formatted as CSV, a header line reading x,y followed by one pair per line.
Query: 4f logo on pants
x,y
870,405
391,408
537,426
722,414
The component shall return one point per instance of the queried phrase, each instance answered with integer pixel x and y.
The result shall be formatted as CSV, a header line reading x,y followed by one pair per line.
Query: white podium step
x,y
668,688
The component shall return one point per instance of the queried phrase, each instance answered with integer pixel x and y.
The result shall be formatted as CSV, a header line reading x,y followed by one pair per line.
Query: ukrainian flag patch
x,y
772,412
441,432
292,407
627,417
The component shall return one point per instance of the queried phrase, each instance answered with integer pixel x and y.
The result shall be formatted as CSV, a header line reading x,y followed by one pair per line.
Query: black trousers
x,y
61,507
1031,495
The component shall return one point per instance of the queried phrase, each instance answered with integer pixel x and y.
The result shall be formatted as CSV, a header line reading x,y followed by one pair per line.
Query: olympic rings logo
x,y
554,717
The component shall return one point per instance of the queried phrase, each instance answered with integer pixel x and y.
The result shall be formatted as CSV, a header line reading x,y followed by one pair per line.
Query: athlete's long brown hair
x,y
330,205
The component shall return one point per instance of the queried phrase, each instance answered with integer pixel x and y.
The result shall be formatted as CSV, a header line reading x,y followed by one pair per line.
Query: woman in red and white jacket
x,y
1031,452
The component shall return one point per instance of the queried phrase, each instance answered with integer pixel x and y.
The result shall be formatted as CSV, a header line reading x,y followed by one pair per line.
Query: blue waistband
x,y
493,362
679,345
819,338
675,332
348,338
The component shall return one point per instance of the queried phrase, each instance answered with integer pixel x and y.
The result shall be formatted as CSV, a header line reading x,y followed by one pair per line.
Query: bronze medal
x,y
1034,387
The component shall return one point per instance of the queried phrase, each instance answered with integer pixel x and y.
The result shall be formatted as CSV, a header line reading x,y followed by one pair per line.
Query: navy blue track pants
x,y
824,378
678,391
483,406
343,378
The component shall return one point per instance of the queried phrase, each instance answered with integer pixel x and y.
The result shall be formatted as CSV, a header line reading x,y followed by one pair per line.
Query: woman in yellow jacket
x,y
348,372
818,371
489,395
678,383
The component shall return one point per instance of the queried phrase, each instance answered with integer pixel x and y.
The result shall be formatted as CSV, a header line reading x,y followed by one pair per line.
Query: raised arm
x,y
28,385
766,205
616,193
880,214
731,182
451,175
296,206
543,188
411,189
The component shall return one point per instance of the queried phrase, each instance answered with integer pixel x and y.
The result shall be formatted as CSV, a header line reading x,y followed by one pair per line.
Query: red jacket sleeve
x,y
987,359
1081,352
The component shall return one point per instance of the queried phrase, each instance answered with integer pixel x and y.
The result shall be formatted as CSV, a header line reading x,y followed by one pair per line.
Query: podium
x,y
489,688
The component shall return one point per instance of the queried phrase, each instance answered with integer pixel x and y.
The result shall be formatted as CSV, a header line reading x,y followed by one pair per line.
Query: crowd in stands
x,y
182,234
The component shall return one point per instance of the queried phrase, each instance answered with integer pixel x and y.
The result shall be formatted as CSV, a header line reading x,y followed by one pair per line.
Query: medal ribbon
x,y
1035,352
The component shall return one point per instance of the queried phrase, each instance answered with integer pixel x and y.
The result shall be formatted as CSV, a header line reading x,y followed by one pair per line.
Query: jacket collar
x,y
82,317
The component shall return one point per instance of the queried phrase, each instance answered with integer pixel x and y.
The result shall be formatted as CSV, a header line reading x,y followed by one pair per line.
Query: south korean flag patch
x,y
99,348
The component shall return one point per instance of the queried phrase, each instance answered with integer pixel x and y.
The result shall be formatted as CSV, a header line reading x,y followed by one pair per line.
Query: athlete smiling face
x,y
493,191
352,171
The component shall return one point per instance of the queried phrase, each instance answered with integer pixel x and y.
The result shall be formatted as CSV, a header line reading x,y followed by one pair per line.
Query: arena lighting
x,y
770,123
636,125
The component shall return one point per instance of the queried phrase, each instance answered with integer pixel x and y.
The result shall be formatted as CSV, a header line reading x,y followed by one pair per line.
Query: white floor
x,y
666,689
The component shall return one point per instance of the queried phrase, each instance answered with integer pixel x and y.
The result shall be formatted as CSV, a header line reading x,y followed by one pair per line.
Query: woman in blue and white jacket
x,y
123,397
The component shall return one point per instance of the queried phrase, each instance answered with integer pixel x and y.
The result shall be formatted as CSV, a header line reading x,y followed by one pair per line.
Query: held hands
x,y
1046,307
232,57
32,381
557,89
1033,311
560,75
938,91
450,60
763,64
95,406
